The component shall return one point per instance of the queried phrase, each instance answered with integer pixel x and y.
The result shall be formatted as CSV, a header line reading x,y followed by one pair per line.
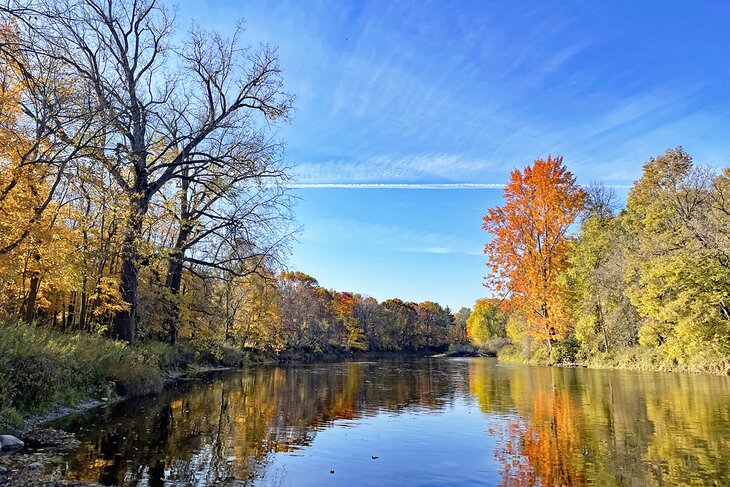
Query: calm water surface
x,y
413,422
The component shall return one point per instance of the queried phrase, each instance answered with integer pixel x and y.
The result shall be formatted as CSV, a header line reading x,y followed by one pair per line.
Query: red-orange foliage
x,y
530,243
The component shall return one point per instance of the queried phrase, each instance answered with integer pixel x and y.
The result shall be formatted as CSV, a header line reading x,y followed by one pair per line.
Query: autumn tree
x,y
302,311
605,319
37,242
371,318
258,320
433,324
401,322
344,304
530,241
458,332
679,268
486,321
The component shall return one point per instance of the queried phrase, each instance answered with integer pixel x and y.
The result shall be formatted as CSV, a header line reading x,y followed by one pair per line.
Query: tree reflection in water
x,y
548,426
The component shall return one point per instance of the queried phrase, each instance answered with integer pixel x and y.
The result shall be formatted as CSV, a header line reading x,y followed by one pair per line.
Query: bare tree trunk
x,y
29,302
548,329
125,321
175,266
71,311
84,309
602,323
172,282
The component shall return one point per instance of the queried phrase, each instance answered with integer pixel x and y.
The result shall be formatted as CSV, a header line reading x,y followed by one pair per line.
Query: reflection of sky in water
x,y
428,422
413,448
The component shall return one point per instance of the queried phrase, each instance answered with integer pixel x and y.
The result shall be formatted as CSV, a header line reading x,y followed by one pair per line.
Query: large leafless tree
x,y
169,108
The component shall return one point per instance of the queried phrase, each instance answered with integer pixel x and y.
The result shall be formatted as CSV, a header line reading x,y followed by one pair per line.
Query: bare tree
x,y
166,110
600,201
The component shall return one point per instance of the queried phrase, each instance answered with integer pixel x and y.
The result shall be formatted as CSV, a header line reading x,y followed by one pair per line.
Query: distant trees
x,y
458,332
294,312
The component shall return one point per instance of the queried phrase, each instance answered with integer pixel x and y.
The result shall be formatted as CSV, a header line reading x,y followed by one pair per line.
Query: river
x,y
427,421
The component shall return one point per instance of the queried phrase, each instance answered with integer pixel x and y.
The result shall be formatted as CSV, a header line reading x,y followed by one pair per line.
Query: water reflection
x,y
431,421
578,427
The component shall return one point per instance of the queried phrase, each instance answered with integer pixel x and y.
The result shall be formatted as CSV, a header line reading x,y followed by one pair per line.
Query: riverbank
x,y
42,371
44,445
638,358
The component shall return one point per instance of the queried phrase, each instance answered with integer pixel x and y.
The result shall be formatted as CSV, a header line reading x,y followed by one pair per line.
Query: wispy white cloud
x,y
449,167
436,186
397,185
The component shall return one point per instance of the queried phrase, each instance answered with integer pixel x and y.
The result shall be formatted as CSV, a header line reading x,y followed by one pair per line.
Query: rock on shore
x,y
9,442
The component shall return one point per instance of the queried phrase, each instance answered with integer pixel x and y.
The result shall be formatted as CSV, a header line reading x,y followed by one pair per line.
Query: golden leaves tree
x,y
36,244
530,243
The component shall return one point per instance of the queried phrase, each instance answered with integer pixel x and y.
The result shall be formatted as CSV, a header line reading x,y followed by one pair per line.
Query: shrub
x,y
565,351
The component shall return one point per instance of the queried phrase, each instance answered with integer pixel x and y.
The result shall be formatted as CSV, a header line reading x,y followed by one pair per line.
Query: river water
x,y
425,421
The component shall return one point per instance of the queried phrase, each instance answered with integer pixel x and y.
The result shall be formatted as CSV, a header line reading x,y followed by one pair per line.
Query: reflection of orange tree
x,y
572,426
544,450
551,434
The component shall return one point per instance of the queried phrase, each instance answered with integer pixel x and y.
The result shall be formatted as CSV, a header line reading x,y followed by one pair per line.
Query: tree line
x,y
573,276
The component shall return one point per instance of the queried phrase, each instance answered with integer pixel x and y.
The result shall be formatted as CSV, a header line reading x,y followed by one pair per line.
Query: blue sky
x,y
396,98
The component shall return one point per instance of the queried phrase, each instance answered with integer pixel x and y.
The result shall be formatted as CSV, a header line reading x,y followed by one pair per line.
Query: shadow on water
x,y
435,421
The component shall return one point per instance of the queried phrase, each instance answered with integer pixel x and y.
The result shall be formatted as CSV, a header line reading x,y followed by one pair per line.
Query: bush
x,y
649,358
515,354
495,344
565,351
216,353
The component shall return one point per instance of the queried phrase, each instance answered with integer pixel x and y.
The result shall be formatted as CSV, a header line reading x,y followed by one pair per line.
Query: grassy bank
x,y
40,368
632,358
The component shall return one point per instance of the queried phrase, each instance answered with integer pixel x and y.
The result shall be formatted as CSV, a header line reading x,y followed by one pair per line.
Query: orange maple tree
x,y
530,242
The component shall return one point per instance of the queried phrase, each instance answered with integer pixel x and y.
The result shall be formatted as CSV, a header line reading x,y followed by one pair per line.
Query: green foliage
x,y
215,352
605,318
678,270
355,336
519,355
457,332
565,350
492,346
486,321
651,358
